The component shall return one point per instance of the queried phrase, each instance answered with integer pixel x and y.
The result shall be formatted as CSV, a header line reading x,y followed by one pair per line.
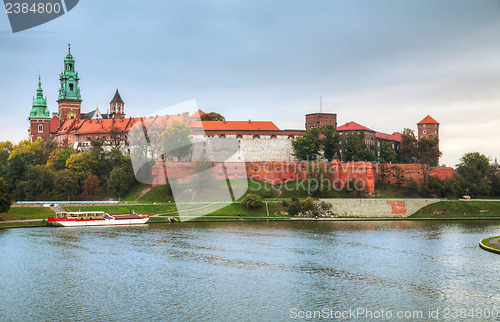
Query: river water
x,y
258,271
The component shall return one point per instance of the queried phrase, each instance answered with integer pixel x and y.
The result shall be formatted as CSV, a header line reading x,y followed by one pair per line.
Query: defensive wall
x,y
362,175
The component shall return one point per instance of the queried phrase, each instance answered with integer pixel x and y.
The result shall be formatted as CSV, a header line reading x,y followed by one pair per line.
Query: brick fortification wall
x,y
416,172
358,174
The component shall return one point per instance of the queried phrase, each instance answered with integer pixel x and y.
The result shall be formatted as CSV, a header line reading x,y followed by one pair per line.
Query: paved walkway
x,y
495,242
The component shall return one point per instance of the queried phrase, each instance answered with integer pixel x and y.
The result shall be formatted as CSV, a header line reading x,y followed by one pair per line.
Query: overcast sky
x,y
384,64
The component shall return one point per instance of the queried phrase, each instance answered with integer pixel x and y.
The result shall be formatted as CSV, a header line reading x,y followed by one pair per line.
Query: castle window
x,y
423,132
40,128
71,87
424,125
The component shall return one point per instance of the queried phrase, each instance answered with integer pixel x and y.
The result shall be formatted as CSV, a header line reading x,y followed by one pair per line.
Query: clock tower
x,y
69,98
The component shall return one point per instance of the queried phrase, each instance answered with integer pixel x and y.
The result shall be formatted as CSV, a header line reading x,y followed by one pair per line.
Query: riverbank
x,y
491,244
30,216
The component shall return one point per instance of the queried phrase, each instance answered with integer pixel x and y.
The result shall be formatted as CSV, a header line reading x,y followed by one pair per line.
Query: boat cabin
x,y
81,215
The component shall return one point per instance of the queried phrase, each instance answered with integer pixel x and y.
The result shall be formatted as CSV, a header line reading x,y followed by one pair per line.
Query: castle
x,y
258,141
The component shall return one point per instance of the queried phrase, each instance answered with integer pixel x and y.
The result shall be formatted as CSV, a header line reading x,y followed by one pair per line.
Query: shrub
x,y
284,203
252,201
293,208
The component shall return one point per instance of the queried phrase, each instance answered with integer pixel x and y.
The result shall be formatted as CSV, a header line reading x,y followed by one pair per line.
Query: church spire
x,y
39,107
69,79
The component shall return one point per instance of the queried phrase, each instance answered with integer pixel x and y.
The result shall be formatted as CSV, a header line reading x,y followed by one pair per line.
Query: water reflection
x,y
254,271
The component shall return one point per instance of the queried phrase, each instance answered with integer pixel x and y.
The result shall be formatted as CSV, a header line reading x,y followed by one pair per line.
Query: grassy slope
x,y
457,208
22,213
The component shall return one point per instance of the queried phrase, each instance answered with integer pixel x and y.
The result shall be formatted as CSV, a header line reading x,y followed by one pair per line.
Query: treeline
x,y
476,177
327,143
43,171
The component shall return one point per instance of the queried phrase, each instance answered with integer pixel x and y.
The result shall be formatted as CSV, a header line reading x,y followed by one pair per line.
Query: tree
x,y
91,188
474,168
57,159
428,151
212,116
307,147
251,201
330,142
120,180
82,165
352,147
176,141
368,155
5,152
399,175
15,172
5,197
408,151
40,180
387,153
65,185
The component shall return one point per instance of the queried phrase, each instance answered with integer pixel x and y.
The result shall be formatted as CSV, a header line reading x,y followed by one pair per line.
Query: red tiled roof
x,y
353,126
428,120
396,136
198,113
54,124
97,126
234,125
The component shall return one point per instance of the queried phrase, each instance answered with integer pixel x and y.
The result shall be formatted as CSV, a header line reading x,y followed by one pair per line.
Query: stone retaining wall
x,y
378,207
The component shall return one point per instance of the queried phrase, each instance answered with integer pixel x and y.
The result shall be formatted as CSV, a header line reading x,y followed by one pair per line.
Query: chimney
x,y
249,121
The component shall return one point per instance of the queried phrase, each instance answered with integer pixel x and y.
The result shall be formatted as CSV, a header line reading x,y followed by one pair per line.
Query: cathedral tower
x,y
39,116
69,99
116,107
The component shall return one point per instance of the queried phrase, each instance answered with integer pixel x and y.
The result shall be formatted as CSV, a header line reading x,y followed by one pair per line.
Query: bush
x,y
293,208
284,203
252,201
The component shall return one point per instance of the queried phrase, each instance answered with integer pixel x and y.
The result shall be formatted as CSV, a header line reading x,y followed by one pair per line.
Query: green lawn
x,y
22,213
458,209
133,194
486,242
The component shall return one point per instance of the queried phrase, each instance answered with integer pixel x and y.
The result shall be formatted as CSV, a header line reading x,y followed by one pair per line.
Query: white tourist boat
x,y
95,218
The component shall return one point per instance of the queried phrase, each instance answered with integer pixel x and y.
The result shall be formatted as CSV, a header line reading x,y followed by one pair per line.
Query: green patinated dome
x,y
39,109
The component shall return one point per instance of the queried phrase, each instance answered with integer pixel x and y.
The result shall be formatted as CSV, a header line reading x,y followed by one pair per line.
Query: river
x,y
258,271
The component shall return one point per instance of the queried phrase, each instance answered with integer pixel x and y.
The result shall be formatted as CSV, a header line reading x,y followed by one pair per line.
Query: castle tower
x,y
320,120
69,99
39,116
428,127
116,106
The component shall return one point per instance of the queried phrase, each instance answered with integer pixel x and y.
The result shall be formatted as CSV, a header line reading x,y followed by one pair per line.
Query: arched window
x,y
40,128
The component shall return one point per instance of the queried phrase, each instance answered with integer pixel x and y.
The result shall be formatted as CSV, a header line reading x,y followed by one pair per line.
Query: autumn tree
x,y
82,165
212,116
57,159
92,188
408,150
